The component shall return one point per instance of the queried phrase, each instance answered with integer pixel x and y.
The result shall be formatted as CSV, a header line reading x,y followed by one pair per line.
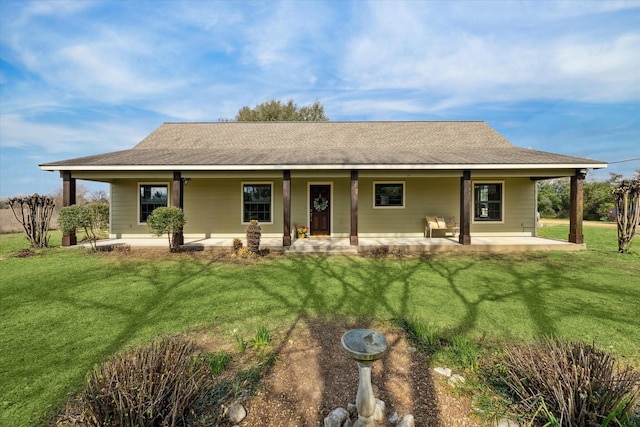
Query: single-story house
x,y
341,179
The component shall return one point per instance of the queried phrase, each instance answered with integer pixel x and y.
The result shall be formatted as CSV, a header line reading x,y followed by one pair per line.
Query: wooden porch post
x,y
68,199
576,209
353,234
177,200
465,208
286,208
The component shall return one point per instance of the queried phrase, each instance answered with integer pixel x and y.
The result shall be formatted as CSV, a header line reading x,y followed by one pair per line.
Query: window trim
x,y
404,192
242,184
502,201
158,183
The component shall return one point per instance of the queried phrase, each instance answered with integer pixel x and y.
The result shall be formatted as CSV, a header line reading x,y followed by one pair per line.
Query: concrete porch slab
x,y
329,246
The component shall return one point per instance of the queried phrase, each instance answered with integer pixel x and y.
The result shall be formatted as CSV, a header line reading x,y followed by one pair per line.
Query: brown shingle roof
x,y
323,143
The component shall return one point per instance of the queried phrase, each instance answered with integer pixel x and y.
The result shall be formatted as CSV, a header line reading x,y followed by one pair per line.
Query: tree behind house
x,y
277,111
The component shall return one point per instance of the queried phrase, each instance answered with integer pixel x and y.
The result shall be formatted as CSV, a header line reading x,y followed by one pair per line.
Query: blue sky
x,y
85,77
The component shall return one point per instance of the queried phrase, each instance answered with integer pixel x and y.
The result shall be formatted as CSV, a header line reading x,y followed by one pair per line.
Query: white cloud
x,y
397,47
68,139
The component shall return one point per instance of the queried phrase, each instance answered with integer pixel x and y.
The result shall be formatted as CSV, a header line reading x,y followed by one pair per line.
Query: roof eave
x,y
510,166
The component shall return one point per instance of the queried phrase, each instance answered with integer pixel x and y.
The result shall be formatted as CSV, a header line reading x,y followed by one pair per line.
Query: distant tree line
x,y
553,198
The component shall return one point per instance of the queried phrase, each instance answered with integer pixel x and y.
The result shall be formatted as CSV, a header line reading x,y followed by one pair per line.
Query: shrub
x,y
169,220
91,218
575,383
34,213
147,386
237,245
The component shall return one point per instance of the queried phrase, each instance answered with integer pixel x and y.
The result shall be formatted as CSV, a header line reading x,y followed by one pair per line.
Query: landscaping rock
x,y
407,421
381,407
393,419
443,371
236,413
336,417
456,380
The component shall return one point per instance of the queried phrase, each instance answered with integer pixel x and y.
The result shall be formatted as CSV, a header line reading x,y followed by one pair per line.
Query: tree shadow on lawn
x,y
457,293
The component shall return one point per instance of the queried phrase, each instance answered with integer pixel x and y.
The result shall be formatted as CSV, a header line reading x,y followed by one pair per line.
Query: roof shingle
x,y
323,143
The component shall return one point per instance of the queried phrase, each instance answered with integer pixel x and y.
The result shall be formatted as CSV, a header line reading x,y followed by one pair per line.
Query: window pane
x,y
389,195
151,197
488,202
256,202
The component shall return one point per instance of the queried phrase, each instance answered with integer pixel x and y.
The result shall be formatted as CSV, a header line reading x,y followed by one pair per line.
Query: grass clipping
x,y
571,384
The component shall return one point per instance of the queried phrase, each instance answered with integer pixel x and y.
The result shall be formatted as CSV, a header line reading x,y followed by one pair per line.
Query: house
x,y
342,179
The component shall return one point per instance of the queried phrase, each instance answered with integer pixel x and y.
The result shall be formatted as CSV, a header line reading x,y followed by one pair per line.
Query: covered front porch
x,y
343,246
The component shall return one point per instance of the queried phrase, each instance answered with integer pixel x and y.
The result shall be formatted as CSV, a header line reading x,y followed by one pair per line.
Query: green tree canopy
x,y
277,111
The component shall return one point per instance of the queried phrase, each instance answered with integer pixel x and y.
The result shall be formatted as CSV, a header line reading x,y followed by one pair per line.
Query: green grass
x,y
63,311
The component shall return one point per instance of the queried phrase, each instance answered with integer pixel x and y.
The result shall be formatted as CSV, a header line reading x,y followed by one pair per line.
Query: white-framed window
x,y
151,196
488,201
388,194
257,202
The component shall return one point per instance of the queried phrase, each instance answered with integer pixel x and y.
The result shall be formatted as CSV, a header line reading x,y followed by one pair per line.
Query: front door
x,y
320,210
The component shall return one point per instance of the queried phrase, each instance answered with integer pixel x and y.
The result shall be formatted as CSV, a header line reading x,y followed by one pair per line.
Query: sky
x,y
87,77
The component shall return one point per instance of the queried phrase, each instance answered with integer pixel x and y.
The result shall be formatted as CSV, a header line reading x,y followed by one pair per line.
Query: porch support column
x,y
286,207
177,200
465,208
68,199
353,234
577,207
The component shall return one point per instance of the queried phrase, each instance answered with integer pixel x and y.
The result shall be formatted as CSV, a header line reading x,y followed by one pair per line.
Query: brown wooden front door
x,y
320,209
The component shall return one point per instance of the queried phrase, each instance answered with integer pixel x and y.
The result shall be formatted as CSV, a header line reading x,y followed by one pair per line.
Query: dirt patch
x,y
312,376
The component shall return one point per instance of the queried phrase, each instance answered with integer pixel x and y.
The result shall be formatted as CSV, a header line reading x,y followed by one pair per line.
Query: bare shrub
x,y
627,201
147,386
34,213
575,383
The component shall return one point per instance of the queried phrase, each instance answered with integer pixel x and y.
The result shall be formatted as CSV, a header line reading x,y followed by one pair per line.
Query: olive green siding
x,y
213,204
519,207
124,207
213,207
423,196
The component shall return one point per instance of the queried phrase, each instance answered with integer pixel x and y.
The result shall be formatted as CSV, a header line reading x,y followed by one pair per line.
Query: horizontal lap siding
x,y
519,207
423,196
124,207
211,206
214,207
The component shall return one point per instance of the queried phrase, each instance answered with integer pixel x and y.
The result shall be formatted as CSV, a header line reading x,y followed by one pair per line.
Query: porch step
x,y
321,246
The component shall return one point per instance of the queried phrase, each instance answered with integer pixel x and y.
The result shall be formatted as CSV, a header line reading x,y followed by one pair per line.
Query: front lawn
x,y
63,311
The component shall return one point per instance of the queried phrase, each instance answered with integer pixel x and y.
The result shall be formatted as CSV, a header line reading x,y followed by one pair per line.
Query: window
x,y
388,194
152,196
256,202
487,202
